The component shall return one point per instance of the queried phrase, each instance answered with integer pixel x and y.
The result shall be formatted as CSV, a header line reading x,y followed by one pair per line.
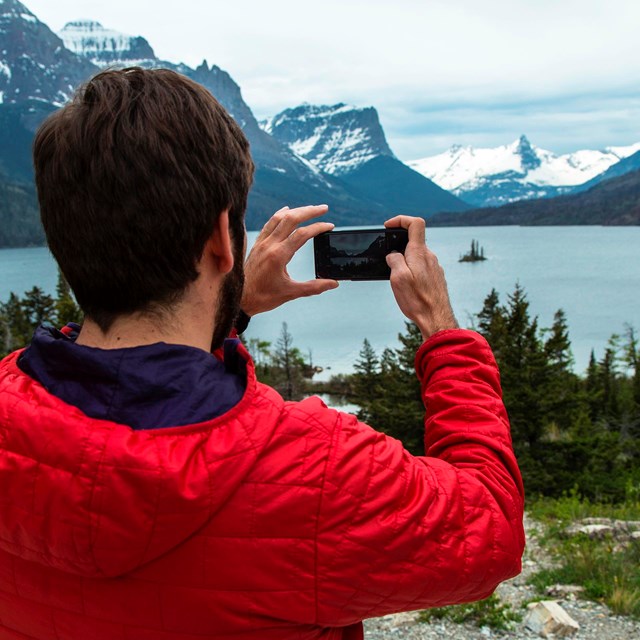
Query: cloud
x,y
439,72
561,123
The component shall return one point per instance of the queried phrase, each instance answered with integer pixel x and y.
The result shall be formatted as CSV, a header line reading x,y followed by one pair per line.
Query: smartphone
x,y
357,254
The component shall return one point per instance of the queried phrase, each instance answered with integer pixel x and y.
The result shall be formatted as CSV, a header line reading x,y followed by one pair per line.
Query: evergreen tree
x,y
19,317
632,361
561,393
411,341
398,410
288,367
593,389
524,369
66,308
367,381
608,383
558,346
492,323
38,307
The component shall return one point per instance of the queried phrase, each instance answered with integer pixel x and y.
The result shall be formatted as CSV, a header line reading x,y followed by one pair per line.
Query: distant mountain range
x,y
308,154
518,171
40,69
348,142
615,201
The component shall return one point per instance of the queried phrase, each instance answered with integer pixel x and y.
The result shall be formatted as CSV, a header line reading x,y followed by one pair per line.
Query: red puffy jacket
x,y
275,520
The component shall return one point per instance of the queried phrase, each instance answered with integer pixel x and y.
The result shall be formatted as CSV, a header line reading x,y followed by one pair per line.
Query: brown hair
x,y
131,176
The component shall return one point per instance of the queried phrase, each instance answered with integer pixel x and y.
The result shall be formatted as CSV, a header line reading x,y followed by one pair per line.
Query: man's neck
x,y
190,323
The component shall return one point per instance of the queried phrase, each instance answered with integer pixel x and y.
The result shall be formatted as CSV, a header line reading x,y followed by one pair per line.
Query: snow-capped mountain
x,y
336,139
103,47
626,165
34,63
38,74
517,171
349,143
298,181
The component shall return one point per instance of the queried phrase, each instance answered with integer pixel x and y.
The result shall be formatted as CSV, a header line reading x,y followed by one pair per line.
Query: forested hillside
x,y
19,218
612,202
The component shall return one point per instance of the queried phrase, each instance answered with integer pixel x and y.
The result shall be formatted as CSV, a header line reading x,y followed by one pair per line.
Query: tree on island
x,y
476,254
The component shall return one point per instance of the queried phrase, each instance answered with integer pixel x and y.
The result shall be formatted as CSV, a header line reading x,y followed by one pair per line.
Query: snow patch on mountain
x,y
103,46
336,139
462,169
15,10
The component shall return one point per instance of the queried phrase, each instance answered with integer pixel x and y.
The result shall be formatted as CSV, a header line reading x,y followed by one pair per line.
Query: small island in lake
x,y
475,255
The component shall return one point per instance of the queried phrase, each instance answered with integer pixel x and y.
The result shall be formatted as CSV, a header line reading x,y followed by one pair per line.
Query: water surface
x,y
593,273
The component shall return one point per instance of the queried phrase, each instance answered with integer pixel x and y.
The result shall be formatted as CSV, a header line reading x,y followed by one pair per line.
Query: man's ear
x,y
219,244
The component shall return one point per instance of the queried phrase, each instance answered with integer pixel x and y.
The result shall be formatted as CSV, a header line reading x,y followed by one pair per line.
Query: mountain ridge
x,y
349,143
516,171
612,202
53,72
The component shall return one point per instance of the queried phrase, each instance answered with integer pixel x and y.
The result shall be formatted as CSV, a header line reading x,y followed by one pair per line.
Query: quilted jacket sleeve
x,y
398,532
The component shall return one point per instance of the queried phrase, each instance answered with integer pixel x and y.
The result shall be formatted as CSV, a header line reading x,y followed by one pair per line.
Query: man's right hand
x,y
418,281
267,281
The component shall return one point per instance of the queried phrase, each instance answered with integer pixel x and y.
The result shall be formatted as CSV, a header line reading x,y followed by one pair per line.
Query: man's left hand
x,y
267,282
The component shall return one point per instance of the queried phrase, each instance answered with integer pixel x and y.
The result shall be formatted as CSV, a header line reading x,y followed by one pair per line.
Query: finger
x,y
313,287
398,266
415,226
295,217
272,223
303,234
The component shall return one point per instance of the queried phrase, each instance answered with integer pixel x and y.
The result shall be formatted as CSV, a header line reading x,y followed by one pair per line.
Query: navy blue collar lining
x,y
147,387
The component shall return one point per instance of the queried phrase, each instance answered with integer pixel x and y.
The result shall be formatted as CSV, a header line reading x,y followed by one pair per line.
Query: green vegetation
x,y
19,216
569,431
608,569
491,612
284,368
557,513
20,316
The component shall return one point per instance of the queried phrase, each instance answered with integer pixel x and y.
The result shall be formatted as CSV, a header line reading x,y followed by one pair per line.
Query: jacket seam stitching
x,y
316,560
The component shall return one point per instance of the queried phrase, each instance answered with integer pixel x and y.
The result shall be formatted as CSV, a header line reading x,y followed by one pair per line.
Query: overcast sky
x,y
440,72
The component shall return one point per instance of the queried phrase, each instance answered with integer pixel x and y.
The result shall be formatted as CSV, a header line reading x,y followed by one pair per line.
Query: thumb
x,y
400,271
314,287
396,261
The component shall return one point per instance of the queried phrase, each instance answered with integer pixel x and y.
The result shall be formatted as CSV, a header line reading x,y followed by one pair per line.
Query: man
x,y
153,490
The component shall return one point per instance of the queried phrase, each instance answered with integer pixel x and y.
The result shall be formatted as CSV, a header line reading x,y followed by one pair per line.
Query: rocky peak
x,y
227,92
34,63
12,9
527,153
103,46
337,138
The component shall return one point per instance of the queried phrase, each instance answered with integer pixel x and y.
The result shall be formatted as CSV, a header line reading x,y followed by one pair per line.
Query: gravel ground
x,y
595,620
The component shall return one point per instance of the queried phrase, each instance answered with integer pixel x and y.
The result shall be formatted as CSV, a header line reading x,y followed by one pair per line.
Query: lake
x,y
593,273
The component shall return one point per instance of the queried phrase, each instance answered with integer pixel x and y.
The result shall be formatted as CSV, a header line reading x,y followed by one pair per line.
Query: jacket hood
x,y
99,499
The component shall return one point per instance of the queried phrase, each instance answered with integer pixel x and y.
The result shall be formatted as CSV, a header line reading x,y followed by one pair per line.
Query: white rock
x,y
564,590
591,530
548,617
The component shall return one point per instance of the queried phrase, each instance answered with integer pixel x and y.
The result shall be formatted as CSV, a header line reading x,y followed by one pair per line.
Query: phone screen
x,y
357,255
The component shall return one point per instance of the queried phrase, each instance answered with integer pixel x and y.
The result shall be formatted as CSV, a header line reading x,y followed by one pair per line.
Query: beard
x,y
230,297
